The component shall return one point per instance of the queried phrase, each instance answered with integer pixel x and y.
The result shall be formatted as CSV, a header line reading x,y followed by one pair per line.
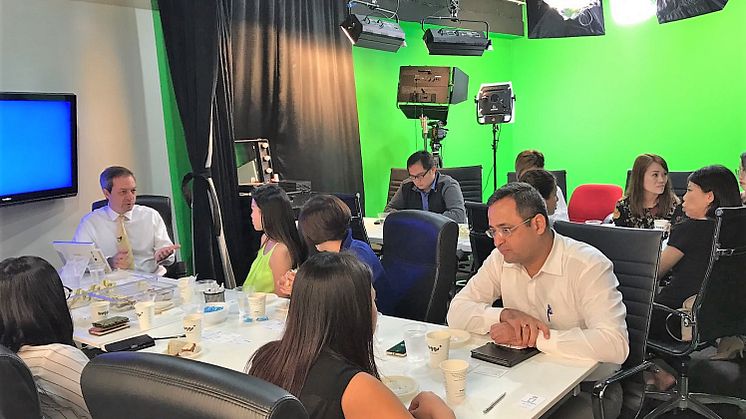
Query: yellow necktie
x,y
123,243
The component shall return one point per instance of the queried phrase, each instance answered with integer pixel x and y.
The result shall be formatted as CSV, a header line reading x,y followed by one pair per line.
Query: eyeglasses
x,y
420,176
505,232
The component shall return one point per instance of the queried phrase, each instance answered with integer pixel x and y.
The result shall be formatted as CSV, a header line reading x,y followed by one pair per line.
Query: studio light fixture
x,y
373,32
571,9
455,41
632,12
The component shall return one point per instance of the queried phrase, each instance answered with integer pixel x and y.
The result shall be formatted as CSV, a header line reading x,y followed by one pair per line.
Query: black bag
x,y
130,344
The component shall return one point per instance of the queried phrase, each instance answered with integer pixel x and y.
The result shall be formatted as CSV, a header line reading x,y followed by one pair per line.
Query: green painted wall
x,y
178,159
590,104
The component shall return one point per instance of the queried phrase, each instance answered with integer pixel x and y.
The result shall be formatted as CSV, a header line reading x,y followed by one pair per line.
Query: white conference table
x,y
375,233
231,343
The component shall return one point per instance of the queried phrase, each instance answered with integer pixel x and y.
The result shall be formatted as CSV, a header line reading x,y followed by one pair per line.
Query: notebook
x,y
502,355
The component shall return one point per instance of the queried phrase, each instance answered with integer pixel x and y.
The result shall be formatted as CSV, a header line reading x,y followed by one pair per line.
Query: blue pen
x,y
549,313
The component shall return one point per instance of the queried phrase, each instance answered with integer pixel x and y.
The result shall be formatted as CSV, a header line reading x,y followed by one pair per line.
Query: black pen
x,y
488,408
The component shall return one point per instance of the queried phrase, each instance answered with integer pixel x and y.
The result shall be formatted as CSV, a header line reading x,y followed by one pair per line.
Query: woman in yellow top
x,y
281,248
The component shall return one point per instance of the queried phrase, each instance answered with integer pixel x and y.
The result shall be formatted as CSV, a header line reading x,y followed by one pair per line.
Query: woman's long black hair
x,y
332,310
278,221
33,307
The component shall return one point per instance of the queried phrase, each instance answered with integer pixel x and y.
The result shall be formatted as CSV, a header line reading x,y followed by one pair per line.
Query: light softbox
x,y
547,20
671,10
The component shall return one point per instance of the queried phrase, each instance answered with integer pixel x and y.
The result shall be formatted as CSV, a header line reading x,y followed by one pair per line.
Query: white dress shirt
x,y
574,293
145,229
56,369
560,212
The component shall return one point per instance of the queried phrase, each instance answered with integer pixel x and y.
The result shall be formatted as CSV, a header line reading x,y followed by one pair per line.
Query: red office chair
x,y
593,202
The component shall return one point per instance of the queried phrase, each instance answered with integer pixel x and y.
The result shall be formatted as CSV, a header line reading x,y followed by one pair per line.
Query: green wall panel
x,y
590,104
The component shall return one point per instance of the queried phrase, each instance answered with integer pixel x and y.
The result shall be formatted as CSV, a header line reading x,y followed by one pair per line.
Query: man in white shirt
x,y
560,295
130,236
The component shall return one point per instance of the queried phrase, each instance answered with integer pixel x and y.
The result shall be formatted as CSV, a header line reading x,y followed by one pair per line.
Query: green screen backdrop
x,y
591,104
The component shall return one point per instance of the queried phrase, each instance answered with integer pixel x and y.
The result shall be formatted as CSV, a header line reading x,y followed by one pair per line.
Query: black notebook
x,y
502,355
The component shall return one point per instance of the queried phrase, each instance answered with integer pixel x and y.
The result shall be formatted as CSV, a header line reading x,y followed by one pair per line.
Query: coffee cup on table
x,y
438,344
145,312
661,224
258,306
99,310
454,372
193,327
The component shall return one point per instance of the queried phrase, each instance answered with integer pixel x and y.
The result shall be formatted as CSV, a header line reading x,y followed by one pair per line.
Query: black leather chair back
x,y
357,225
18,395
124,385
160,203
419,258
718,310
395,179
470,180
481,244
635,254
679,181
560,175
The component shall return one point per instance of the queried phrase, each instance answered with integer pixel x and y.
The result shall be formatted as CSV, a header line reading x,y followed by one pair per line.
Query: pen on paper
x,y
493,404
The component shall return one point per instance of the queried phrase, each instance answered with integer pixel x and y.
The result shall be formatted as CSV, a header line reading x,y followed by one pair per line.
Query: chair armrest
x,y
600,387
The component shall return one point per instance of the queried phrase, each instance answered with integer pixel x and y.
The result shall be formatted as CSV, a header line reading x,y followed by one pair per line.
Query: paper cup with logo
x,y
258,306
661,224
454,372
99,310
193,327
145,312
438,344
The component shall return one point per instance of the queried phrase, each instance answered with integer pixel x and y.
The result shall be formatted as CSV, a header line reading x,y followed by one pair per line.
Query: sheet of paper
x,y
217,336
489,370
274,325
530,401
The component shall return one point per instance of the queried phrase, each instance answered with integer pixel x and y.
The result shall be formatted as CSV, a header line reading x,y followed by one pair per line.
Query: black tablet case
x,y
501,355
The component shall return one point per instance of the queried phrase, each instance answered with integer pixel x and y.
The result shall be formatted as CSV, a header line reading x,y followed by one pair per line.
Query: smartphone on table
x,y
397,350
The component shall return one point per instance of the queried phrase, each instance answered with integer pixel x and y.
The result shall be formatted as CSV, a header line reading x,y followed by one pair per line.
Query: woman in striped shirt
x,y
36,324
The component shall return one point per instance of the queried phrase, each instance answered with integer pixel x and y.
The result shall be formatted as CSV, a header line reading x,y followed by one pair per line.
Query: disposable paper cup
x,y
258,305
661,224
193,327
186,293
438,343
145,311
454,372
414,341
99,310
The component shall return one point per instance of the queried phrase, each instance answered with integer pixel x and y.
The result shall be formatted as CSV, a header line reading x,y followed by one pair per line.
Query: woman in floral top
x,y
649,195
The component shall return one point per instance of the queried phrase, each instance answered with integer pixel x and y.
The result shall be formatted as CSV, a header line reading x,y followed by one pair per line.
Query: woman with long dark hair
x,y
649,195
36,324
325,356
742,177
281,248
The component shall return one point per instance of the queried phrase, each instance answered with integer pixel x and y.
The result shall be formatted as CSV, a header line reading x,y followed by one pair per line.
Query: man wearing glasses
x,y
429,190
559,295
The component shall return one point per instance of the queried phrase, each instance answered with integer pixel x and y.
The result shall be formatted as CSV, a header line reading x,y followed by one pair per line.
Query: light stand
x,y
495,105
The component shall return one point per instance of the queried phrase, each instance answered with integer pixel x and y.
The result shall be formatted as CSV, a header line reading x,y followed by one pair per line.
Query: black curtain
x,y
197,37
294,85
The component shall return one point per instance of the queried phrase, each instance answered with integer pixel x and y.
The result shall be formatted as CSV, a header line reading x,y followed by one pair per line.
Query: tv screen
x,y
38,147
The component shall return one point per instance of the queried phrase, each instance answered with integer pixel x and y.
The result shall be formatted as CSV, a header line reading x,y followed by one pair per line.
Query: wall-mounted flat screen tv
x,y
38,147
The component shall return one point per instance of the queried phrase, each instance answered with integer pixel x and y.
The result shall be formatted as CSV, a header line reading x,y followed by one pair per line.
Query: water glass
x,y
243,305
414,340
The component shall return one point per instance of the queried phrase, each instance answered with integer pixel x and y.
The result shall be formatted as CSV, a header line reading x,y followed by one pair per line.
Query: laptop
x,y
502,355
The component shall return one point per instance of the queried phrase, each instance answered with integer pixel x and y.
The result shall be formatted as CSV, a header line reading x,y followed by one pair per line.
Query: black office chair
x,y
635,254
717,312
420,263
162,204
357,225
124,385
19,397
481,244
560,175
395,180
469,179
679,182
